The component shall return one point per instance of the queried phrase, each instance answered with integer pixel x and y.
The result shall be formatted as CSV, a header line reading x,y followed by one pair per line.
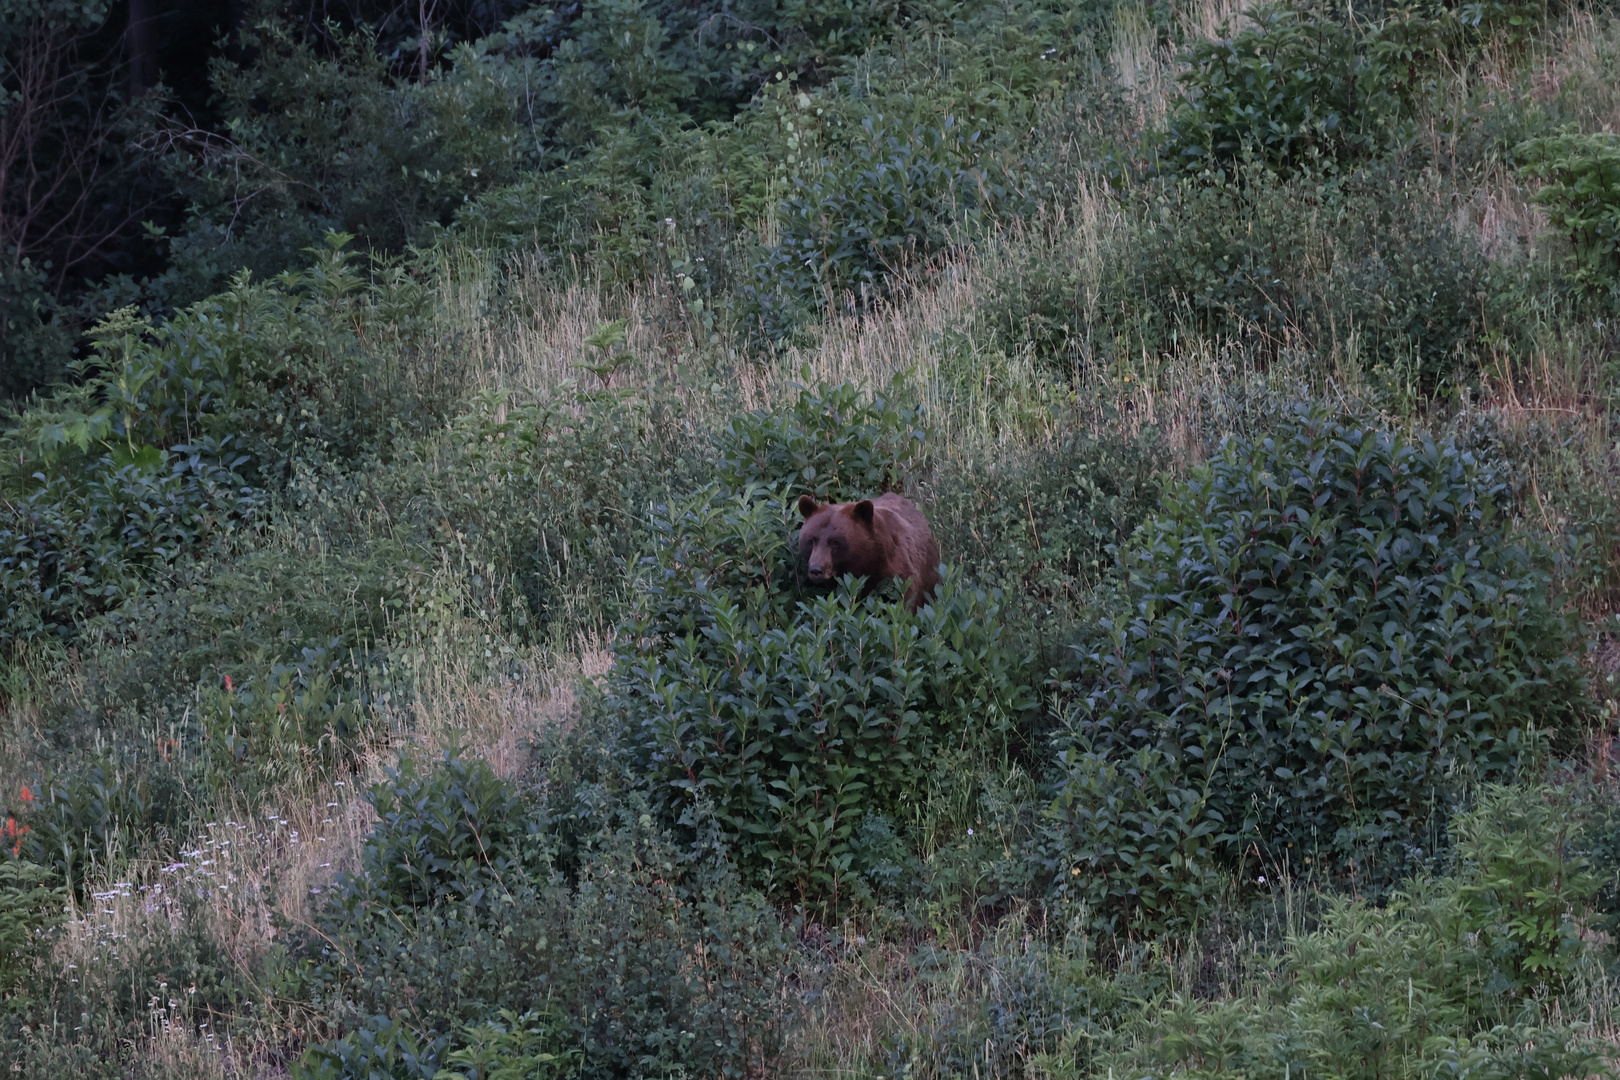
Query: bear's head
x,y
838,539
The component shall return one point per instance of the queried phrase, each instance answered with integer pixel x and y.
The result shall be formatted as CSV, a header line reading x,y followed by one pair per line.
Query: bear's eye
x,y
838,544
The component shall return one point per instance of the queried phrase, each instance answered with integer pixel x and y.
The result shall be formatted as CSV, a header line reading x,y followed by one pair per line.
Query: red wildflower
x,y
27,796
15,833
230,685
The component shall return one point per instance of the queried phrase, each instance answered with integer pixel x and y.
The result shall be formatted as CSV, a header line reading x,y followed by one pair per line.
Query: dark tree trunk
x,y
141,39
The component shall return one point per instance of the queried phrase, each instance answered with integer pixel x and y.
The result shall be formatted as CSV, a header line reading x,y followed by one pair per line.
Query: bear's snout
x,y
821,570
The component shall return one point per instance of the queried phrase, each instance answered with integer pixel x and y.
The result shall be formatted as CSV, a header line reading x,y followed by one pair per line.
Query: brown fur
x,y
875,539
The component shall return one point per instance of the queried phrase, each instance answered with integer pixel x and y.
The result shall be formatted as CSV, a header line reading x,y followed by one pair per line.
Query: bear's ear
x,y
807,506
862,512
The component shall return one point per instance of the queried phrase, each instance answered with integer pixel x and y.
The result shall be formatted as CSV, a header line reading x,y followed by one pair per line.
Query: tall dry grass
x,y
256,870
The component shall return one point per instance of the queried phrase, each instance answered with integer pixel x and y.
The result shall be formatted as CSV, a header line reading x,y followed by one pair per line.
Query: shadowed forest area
x,y
408,670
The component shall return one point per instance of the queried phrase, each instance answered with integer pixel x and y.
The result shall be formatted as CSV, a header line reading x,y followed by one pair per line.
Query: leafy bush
x,y
512,1048
891,201
97,811
550,496
1580,177
1525,886
322,364
832,441
35,347
1353,270
1130,842
1300,86
1037,521
1412,988
178,430
287,725
322,137
29,908
74,549
382,1049
449,835
786,717
1331,627
794,723
647,960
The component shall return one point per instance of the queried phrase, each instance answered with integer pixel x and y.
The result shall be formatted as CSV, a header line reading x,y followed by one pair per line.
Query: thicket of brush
x,y
408,670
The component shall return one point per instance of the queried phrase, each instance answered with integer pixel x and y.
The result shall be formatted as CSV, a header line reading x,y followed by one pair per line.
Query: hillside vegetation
x,y
407,666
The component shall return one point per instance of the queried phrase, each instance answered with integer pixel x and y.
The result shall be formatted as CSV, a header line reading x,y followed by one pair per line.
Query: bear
x,y
875,539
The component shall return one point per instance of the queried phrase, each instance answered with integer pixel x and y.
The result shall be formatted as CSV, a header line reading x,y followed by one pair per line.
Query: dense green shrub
x,y
1037,521
1525,884
447,835
1330,628
792,724
29,908
284,726
1580,177
1413,988
177,431
551,496
1354,270
1130,841
35,346
94,811
787,717
512,1047
647,960
833,442
380,1049
324,138
550,130
888,202
1300,86
75,548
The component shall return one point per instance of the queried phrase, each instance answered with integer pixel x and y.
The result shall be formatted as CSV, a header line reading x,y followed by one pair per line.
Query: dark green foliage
x,y
323,139
281,725
891,200
790,724
1598,847
96,811
381,1049
513,1047
560,118
1355,270
1130,842
35,346
1037,523
447,835
1301,87
1524,884
1409,988
76,191
649,962
76,548
1580,176
178,429
1330,628
29,908
788,718
552,497
832,444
